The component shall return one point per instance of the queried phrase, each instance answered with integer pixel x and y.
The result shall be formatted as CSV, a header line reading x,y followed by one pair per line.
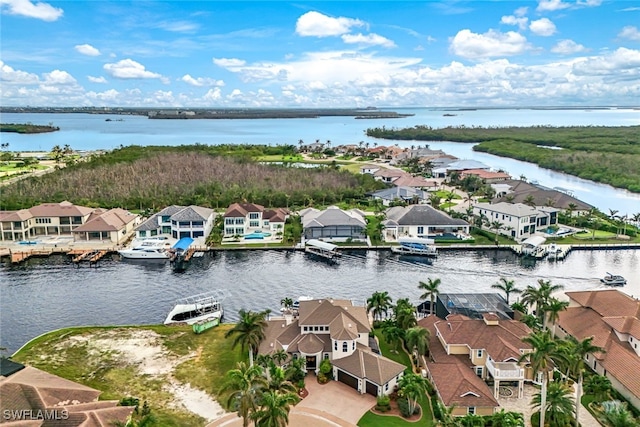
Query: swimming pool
x,y
257,235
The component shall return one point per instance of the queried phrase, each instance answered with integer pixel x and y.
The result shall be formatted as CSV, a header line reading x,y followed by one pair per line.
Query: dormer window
x,y
335,345
345,347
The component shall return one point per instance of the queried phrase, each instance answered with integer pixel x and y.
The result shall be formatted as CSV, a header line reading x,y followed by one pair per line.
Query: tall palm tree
x,y
405,314
286,303
274,409
496,226
599,386
540,359
417,339
540,296
529,200
392,333
279,356
249,331
378,304
431,288
574,352
552,310
244,386
278,381
506,286
413,387
557,404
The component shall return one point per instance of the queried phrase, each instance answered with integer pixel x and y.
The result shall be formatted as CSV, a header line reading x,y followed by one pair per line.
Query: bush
x,y
403,406
325,367
383,404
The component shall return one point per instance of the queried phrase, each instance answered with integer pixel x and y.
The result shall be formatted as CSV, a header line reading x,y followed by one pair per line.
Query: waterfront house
x,y
421,221
113,225
397,177
178,222
487,176
518,191
409,195
334,224
246,218
518,220
336,330
37,398
54,219
466,354
612,318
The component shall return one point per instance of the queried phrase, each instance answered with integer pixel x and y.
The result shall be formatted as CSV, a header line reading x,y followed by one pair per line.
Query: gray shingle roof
x,y
333,216
421,215
192,213
400,192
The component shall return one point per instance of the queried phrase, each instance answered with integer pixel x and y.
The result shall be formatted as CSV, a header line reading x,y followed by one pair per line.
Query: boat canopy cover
x,y
534,241
418,240
321,245
183,244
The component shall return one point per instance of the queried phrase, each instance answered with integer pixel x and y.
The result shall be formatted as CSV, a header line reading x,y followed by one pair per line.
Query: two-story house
x,y
518,220
339,331
247,218
178,222
467,352
612,318
421,221
333,224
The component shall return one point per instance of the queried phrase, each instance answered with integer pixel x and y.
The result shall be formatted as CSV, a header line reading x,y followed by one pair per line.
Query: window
x,y
345,347
325,356
420,230
254,224
185,224
386,387
229,221
479,371
295,356
479,353
304,328
315,328
471,410
335,345
254,215
239,220
143,233
166,218
77,220
353,345
197,224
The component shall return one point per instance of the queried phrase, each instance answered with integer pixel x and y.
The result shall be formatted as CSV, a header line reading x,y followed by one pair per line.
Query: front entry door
x,y
311,363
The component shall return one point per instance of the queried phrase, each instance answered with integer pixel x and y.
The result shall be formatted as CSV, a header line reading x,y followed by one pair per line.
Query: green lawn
x,y
71,353
589,238
280,158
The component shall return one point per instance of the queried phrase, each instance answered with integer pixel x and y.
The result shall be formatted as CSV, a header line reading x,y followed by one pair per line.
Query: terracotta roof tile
x,y
607,303
371,366
460,386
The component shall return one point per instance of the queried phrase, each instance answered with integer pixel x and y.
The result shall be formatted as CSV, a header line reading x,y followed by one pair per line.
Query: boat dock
x,y
542,251
90,256
325,250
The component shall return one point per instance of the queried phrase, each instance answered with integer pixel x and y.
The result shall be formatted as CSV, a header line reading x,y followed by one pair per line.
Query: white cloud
x,y
212,95
201,81
491,44
228,62
622,61
87,49
630,33
543,27
43,11
567,47
368,40
520,21
93,79
551,5
58,77
129,69
9,75
319,25
178,26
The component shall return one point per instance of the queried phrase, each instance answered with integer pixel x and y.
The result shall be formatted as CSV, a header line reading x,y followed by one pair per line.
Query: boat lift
x,y
322,249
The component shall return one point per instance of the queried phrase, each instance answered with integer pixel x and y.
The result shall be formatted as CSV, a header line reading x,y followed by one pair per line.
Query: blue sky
x,y
320,54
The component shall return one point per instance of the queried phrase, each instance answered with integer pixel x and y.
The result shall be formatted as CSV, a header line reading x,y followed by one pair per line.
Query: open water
x,y
92,132
46,294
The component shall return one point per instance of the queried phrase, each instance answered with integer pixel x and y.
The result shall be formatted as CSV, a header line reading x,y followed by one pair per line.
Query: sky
x,y
269,54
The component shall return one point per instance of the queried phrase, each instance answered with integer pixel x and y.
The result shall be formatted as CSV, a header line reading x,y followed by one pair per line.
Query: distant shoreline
x,y
27,128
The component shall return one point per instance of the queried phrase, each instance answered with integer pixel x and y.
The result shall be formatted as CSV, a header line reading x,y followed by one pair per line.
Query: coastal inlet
x,y
49,293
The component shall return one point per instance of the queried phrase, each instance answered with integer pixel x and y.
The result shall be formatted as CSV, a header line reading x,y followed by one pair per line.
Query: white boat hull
x,y
403,250
135,254
193,314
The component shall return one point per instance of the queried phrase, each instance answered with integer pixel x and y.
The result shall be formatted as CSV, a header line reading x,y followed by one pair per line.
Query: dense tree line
x,y
603,154
141,178
27,128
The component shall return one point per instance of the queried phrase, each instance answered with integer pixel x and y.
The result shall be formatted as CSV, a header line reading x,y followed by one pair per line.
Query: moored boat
x,y
325,250
613,280
154,248
197,308
415,246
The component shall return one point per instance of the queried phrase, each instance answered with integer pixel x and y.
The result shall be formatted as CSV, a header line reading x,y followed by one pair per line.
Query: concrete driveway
x,y
328,405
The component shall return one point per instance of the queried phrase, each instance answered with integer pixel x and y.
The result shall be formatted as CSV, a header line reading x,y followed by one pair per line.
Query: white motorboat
x,y
321,249
197,308
613,280
554,251
147,249
415,246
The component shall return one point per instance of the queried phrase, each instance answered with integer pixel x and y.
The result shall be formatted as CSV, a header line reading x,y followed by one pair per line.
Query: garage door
x,y
372,389
349,380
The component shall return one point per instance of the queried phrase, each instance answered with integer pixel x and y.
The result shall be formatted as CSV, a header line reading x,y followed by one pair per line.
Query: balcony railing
x,y
505,370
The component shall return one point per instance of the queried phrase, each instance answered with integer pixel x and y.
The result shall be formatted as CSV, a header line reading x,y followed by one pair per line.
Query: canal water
x,y
45,294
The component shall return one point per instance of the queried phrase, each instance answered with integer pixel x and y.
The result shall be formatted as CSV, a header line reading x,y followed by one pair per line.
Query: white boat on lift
x,y
415,246
197,308
613,280
148,249
321,249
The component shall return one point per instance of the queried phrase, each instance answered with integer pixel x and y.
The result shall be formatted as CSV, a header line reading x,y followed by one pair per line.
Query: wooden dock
x,y
90,256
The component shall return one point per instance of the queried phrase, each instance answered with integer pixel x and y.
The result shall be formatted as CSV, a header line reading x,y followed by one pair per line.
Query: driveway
x,y
329,405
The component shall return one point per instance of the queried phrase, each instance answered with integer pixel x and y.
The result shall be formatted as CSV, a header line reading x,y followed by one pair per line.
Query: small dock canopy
x,y
533,242
321,245
415,241
183,244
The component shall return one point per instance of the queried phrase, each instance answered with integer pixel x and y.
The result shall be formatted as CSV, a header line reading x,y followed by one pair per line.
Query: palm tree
x,y
378,304
599,386
553,309
558,403
529,200
574,352
274,409
431,291
540,359
506,286
507,419
531,321
278,381
496,226
413,387
249,331
417,339
245,385
404,313
392,333
286,303
280,356
539,297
